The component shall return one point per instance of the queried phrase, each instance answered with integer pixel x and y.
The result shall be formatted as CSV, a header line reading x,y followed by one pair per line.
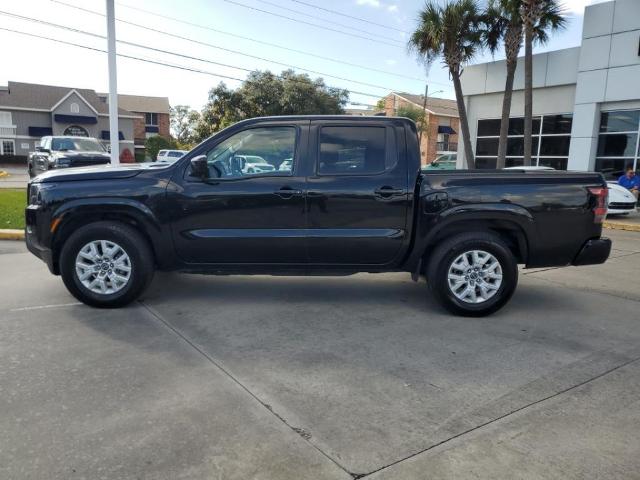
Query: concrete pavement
x,y
281,377
16,177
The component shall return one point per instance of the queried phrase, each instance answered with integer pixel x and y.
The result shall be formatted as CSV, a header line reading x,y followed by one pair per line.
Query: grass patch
x,y
12,205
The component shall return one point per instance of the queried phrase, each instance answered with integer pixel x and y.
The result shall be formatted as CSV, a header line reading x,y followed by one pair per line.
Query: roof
x,y
45,97
439,106
139,103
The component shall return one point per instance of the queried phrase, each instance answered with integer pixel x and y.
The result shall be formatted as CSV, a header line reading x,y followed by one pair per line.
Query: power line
x,y
268,12
299,12
237,52
196,70
262,42
335,12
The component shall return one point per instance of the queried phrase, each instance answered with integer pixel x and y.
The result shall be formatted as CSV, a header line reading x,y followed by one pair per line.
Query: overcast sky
x,y
37,60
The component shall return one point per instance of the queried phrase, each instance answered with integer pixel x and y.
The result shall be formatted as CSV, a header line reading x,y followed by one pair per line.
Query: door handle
x,y
387,192
287,192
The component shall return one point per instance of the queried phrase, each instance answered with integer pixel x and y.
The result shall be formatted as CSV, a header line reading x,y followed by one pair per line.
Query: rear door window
x,y
355,150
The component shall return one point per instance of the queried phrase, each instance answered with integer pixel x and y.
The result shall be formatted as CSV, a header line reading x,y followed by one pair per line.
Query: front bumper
x,y
34,235
593,252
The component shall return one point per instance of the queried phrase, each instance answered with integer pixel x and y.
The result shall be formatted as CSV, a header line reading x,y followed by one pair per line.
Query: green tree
x,y
267,94
380,104
415,114
156,143
538,17
183,124
451,32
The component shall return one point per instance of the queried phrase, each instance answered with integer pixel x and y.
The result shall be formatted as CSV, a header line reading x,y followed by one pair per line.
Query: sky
x,y
229,38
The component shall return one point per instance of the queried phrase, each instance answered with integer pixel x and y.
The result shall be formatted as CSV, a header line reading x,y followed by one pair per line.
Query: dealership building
x,y
586,100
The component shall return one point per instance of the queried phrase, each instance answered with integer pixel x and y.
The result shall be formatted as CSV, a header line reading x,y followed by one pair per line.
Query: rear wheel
x,y
106,264
472,274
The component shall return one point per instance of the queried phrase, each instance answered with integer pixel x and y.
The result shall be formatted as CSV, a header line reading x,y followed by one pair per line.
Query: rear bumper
x,y
593,252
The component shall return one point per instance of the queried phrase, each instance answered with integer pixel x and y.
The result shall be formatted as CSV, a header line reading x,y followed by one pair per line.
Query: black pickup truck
x,y
66,152
340,195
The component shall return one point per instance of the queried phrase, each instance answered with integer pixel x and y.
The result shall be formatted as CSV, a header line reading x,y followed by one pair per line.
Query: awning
x,y
106,135
446,129
80,119
40,131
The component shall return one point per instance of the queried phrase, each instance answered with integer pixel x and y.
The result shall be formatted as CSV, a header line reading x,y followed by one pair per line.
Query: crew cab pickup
x,y
352,199
66,152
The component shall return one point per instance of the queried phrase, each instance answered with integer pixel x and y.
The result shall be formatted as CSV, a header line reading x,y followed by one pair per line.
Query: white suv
x,y
170,156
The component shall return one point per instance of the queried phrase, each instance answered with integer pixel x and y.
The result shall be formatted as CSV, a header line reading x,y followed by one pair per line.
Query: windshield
x,y
76,144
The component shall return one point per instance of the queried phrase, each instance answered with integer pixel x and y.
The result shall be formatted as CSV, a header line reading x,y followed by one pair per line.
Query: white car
x,y
621,200
252,164
170,156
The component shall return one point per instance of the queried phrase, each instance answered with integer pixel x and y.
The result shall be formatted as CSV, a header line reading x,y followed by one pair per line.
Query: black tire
x,y
131,241
446,253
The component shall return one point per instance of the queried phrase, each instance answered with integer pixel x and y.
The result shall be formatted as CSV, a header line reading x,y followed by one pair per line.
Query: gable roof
x,y
438,106
33,96
139,103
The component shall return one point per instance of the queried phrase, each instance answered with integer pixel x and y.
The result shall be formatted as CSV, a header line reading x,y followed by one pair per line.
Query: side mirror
x,y
42,149
199,167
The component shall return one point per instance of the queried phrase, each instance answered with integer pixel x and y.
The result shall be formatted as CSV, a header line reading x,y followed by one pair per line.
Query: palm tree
x,y
450,32
538,17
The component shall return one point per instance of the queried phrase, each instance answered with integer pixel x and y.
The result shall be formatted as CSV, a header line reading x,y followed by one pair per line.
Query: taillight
x,y
600,208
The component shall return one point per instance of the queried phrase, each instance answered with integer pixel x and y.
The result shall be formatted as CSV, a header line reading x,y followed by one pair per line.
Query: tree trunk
x,y
464,121
528,92
506,111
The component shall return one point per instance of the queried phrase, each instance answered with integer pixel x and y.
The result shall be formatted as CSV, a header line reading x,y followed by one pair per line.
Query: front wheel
x,y
472,274
106,264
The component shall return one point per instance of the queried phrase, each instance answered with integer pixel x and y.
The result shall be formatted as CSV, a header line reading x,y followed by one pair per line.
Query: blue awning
x,y
446,129
80,119
40,131
106,135
151,129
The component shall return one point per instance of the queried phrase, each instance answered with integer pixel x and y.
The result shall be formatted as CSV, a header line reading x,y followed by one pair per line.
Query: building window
x,y
7,147
151,119
550,141
74,108
5,119
618,142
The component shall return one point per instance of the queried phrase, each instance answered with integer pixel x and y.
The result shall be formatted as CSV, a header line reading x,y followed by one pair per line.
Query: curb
x,y
11,234
629,227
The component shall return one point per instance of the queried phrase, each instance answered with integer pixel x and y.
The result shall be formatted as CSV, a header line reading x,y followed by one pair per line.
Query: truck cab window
x,y
359,150
255,151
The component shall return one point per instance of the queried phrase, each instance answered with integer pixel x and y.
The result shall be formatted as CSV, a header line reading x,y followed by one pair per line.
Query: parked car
x,y
621,200
355,201
445,161
252,164
170,156
64,152
286,165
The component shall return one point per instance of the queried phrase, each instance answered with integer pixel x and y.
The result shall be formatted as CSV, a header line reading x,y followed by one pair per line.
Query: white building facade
x,y
586,100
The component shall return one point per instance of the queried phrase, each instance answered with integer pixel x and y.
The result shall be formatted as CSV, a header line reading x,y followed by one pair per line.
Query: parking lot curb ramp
x,y
629,226
11,234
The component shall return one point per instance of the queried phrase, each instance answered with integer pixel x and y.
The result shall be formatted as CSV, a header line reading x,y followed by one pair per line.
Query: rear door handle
x,y
387,192
287,192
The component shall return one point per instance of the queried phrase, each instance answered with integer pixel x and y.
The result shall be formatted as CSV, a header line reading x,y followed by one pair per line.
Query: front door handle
x,y
387,191
287,193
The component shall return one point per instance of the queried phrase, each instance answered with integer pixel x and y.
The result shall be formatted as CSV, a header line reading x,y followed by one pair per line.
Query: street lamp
x,y
114,139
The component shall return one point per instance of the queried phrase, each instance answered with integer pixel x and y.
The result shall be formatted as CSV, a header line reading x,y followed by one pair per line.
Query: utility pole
x,y
114,138
424,114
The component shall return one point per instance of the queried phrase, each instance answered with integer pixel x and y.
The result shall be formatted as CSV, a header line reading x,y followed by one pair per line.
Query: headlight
x,y
35,197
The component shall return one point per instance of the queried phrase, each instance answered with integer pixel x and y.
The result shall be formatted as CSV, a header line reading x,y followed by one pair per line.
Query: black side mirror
x,y
199,167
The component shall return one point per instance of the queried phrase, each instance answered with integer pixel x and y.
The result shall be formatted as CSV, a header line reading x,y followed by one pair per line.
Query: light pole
x,y
114,139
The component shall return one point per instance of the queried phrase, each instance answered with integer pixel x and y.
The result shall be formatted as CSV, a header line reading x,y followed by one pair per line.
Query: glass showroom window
x,y
550,142
618,147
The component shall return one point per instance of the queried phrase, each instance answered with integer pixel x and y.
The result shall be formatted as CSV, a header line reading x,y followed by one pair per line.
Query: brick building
x,y
442,123
153,117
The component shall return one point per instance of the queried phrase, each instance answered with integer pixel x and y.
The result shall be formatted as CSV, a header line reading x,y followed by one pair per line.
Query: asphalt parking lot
x,y
321,378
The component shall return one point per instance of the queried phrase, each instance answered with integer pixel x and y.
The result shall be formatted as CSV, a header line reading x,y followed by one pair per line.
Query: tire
x,y
115,292
490,293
